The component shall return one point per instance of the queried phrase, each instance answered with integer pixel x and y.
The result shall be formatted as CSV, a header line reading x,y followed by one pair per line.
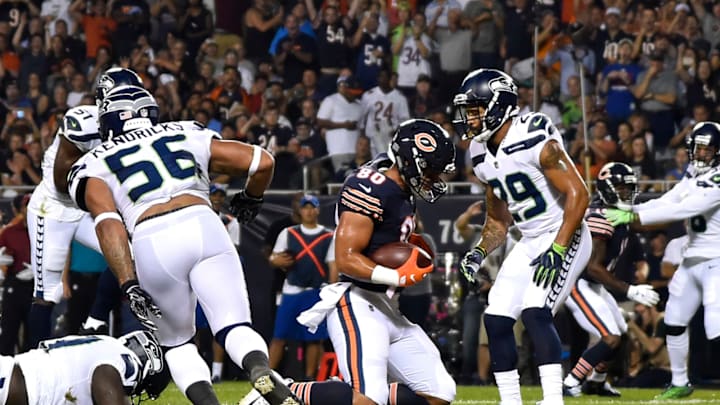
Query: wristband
x,y
559,249
385,275
482,251
107,215
255,163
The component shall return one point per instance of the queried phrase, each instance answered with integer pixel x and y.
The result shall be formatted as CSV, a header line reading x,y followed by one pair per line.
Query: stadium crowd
x,y
323,84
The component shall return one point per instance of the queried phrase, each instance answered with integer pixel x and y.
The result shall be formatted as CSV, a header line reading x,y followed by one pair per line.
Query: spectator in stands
x,y
644,45
10,66
488,20
78,88
54,11
306,253
618,79
18,283
609,39
437,13
362,155
704,88
310,144
133,20
296,53
455,58
338,116
300,12
261,22
384,108
642,161
269,134
517,43
412,48
373,51
700,113
33,60
96,24
334,50
625,136
55,55
38,99
601,147
656,91
196,26
710,21
680,164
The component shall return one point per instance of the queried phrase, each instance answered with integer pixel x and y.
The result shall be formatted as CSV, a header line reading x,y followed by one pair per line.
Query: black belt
x,y
163,213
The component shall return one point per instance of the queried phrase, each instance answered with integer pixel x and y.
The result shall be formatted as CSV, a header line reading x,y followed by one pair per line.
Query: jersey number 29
x,y
521,188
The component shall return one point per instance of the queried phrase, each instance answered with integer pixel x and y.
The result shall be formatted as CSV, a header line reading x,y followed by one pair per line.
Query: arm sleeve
x,y
689,207
281,243
673,196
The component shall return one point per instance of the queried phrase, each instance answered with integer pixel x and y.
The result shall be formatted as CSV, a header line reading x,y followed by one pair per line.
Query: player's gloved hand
x,y
619,217
472,263
643,294
548,265
410,273
245,207
141,303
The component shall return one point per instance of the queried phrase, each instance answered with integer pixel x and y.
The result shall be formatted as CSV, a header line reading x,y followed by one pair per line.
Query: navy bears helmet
x,y
115,77
617,185
422,151
151,379
705,135
126,108
492,91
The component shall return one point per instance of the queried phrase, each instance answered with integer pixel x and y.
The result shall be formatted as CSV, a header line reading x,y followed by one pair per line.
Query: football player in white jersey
x,y
384,108
697,199
53,219
149,183
90,369
529,179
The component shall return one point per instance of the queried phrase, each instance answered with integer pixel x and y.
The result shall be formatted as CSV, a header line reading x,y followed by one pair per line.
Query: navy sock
x,y
540,327
592,358
501,342
107,296
201,393
401,394
39,323
323,393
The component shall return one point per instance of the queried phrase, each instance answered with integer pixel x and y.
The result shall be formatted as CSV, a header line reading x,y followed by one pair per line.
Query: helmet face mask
x,y
149,355
617,185
486,100
703,146
423,151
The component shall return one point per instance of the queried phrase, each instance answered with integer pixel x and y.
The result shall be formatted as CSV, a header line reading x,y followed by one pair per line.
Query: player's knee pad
x,y
501,342
673,330
239,340
539,324
186,366
221,335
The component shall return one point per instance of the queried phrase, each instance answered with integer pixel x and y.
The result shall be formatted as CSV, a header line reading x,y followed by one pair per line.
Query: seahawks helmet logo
x,y
502,83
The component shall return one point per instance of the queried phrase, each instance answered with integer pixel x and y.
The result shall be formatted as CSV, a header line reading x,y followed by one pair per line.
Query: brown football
x,y
394,255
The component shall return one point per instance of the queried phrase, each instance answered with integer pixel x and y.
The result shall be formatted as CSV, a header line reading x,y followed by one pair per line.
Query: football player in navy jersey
x,y
591,304
383,357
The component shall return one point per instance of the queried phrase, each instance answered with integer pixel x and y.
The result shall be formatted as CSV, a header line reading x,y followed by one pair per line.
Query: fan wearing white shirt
x,y
339,115
384,108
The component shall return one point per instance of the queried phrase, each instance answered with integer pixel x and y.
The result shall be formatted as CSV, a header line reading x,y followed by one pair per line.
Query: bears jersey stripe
x,y
358,209
365,196
371,207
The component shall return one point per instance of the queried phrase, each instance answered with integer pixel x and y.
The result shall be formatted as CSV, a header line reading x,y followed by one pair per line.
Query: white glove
x,y
26,274
643,294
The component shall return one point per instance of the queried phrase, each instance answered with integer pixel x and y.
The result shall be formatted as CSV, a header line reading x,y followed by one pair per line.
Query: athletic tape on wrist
x,y
255,163
385,275
107,215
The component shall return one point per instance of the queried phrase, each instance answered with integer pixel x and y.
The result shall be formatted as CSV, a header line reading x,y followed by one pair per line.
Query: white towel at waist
x,y
329,297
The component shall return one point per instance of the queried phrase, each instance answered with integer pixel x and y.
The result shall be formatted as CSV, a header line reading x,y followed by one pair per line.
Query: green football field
x,y
232,392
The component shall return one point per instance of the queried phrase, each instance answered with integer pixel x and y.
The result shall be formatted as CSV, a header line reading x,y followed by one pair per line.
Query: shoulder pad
x,y
363,194
80,126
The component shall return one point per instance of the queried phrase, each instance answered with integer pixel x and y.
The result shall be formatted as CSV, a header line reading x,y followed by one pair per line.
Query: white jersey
x,y
516,176
382,114
80,127
696,199
149,166
411,64
60,371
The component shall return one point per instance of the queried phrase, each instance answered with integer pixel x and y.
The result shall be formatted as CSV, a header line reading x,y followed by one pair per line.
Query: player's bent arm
x,y
238,158
561,173
497,222
597,270
106,386
111,232
352,236
66,155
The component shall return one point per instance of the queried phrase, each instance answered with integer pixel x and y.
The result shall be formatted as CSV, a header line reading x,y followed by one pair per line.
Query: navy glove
x,y
245,207
548,265
141,303
472,263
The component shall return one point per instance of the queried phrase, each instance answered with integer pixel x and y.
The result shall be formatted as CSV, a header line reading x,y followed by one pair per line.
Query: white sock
x,y
508,383
571,381
597,377
217,369
186,366
92,323
678,347
551,382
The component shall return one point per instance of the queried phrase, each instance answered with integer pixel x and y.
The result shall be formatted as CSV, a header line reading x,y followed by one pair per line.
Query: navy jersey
x,y
616,238
367,191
